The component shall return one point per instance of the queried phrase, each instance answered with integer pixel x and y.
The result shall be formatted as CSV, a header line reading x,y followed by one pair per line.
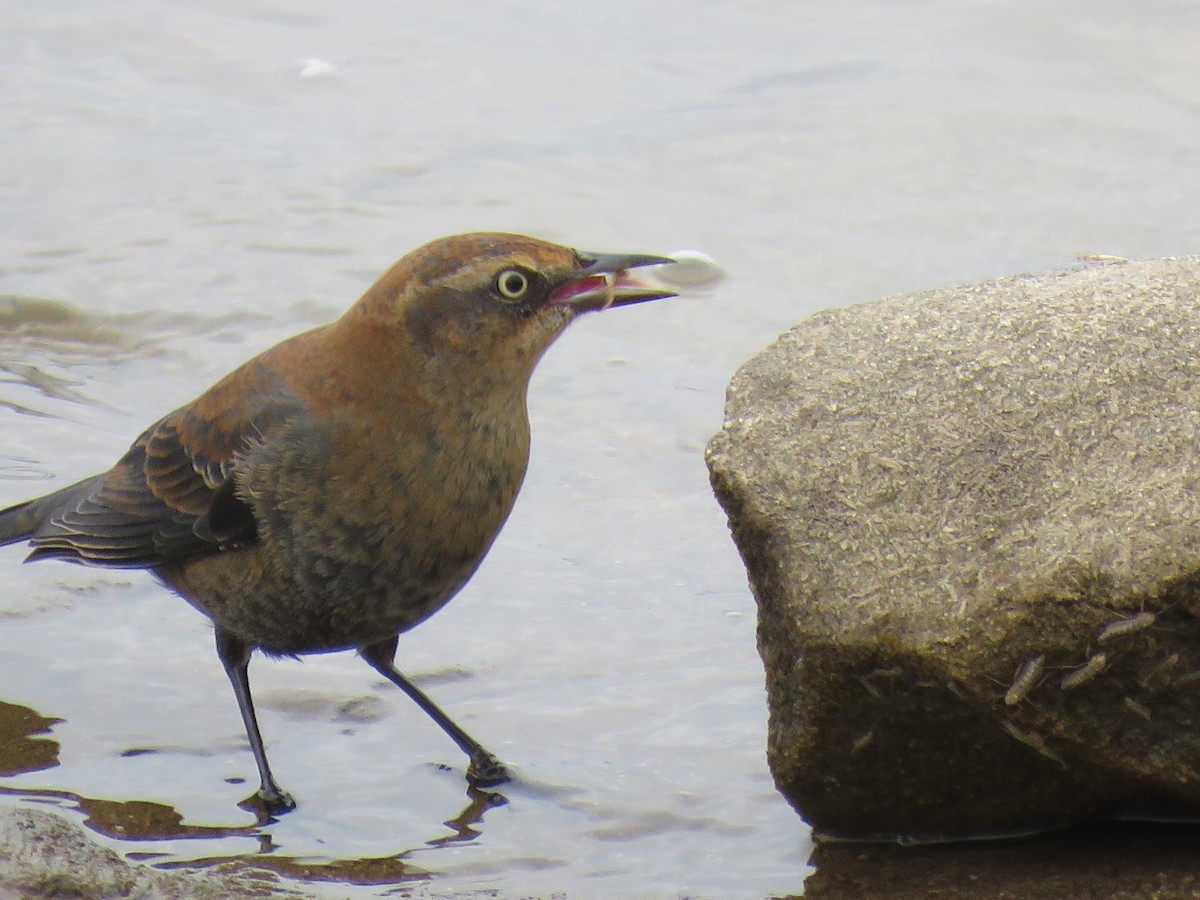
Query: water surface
x,y
185,184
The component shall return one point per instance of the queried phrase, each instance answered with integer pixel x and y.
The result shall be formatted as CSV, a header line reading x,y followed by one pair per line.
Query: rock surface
x,y
971,519
44,855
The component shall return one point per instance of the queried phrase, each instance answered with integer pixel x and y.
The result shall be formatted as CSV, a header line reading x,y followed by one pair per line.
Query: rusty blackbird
x,y
342,486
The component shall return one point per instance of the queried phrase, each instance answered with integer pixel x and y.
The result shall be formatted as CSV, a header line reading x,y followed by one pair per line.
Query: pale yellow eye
x,y
512,284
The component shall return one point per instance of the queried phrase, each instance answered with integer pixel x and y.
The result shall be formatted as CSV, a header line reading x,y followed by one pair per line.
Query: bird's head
x,y
501,299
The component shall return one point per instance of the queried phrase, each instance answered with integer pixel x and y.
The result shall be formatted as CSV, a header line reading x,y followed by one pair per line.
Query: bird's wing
x,y
173,495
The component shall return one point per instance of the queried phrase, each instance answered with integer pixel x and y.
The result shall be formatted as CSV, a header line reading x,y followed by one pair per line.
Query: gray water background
x,y
199,180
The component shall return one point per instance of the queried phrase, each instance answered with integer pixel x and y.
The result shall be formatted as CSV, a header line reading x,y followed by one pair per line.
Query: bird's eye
x,y
512,284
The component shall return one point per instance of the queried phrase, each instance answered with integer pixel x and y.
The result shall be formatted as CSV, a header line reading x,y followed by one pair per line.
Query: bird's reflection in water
x,y
464,823
377,870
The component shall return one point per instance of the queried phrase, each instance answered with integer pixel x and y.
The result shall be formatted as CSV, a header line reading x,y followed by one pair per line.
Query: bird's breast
x,y
408,511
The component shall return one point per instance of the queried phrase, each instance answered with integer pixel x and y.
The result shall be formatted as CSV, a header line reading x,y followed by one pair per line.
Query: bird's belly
x,y
320,608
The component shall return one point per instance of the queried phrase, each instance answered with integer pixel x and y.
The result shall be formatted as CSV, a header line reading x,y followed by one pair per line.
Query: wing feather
x,y
172,495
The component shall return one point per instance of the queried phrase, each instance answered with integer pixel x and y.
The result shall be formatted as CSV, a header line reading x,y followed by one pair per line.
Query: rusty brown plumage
x,y
342,486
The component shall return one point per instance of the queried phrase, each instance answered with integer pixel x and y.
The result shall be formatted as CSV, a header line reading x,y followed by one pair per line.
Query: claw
x,y
487,771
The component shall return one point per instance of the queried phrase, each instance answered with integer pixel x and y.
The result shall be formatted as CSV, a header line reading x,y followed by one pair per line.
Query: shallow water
x,y
187,184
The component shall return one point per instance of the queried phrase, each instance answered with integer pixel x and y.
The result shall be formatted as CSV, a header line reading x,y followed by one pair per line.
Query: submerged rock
x,y
971,519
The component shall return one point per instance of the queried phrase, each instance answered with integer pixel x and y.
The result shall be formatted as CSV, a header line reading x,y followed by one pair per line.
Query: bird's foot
x,y
277,801
486,771
269,801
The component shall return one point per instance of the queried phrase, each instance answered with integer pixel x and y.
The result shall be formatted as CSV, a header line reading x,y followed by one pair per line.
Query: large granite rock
x,y
971,519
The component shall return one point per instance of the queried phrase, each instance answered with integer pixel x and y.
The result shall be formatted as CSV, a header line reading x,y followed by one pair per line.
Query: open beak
x,y
605,281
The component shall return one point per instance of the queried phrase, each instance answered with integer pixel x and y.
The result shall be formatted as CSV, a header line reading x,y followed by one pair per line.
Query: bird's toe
x,y
486,771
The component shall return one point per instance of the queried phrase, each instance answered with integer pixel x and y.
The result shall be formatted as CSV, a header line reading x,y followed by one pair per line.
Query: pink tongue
x,y
575,288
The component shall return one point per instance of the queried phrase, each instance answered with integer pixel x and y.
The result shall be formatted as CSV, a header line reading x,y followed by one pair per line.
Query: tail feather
x,y
23,521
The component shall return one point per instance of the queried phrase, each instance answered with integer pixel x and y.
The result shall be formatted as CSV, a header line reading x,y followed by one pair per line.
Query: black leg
x,y
235,656
485,769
